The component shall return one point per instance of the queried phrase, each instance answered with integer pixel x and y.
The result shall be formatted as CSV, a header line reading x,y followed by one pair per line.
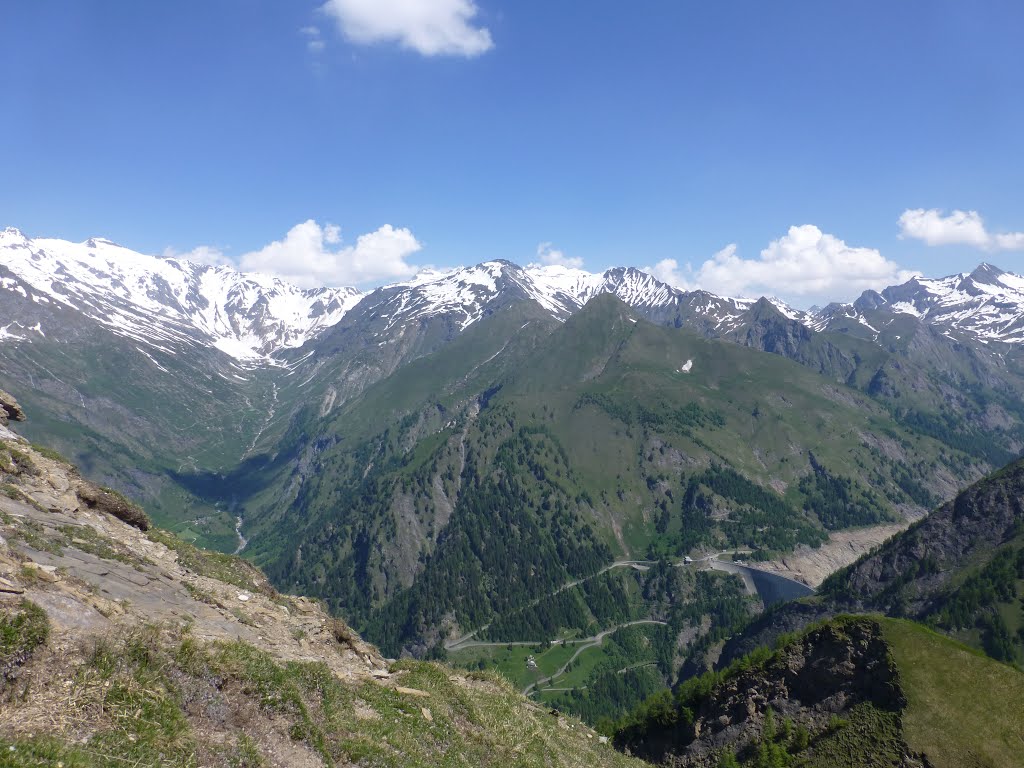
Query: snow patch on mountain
x,y
168,302
987,304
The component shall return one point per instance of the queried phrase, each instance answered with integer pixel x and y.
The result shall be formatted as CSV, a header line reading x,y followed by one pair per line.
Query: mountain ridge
x,y
252,317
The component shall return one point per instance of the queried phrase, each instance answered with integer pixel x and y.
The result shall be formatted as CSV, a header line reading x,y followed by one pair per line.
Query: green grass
x,y
49,453
511,664
22,630
37,536
964,709
581,669
86,539
143,683
867,737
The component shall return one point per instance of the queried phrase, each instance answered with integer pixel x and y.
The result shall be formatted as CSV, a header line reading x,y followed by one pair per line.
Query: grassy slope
x,y
148,689
963,708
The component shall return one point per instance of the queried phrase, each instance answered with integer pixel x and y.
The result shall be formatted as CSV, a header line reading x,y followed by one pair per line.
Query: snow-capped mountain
x,y
986,304
470,293
165,302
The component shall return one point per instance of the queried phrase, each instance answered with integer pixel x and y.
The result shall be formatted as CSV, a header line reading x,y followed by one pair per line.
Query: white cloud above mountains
x,y
313,256
934,227
548,255
429,27
804,264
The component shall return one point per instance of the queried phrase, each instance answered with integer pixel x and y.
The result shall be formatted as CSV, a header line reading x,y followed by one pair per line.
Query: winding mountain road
x,y
710,561
584,644
463,642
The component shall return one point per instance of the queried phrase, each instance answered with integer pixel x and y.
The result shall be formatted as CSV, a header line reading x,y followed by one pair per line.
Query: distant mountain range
x,y
252,318
165,303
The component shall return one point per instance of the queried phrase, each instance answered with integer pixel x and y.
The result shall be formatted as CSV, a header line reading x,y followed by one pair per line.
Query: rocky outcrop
x,y
905,575
822,675
113,503
9,409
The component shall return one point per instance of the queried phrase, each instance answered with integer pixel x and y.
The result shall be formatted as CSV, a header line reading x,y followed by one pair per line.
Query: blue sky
x,y
788,138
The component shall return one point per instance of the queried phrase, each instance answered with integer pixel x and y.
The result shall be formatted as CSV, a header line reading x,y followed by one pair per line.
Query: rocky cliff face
x,y
905,575
9,409
823,675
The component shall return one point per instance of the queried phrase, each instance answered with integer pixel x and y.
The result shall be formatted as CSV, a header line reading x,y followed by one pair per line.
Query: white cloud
x,y
669,271
203,254
805,263
958,228
549,256
1010,241
311,256
430,27
314,42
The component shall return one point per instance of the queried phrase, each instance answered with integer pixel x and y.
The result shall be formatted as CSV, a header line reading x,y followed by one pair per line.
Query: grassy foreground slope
x,y
122,645
963,709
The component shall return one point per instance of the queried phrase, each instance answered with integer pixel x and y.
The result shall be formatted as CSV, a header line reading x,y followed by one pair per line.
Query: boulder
x,y
9,409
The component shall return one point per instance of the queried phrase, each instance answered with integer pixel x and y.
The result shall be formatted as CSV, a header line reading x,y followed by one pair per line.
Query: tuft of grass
x,y
23,461
87,539
246,754
143,705
114,503
22,630
12,491
37,536
199,594
868,737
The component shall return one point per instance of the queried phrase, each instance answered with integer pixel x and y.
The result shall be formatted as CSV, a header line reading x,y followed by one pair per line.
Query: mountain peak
x,y
986,272
94,242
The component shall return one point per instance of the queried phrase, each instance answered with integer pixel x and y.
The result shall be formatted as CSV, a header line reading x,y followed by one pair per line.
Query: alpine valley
x,y
534,468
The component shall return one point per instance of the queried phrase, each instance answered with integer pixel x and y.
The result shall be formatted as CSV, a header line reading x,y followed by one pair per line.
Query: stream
x,y
242,541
